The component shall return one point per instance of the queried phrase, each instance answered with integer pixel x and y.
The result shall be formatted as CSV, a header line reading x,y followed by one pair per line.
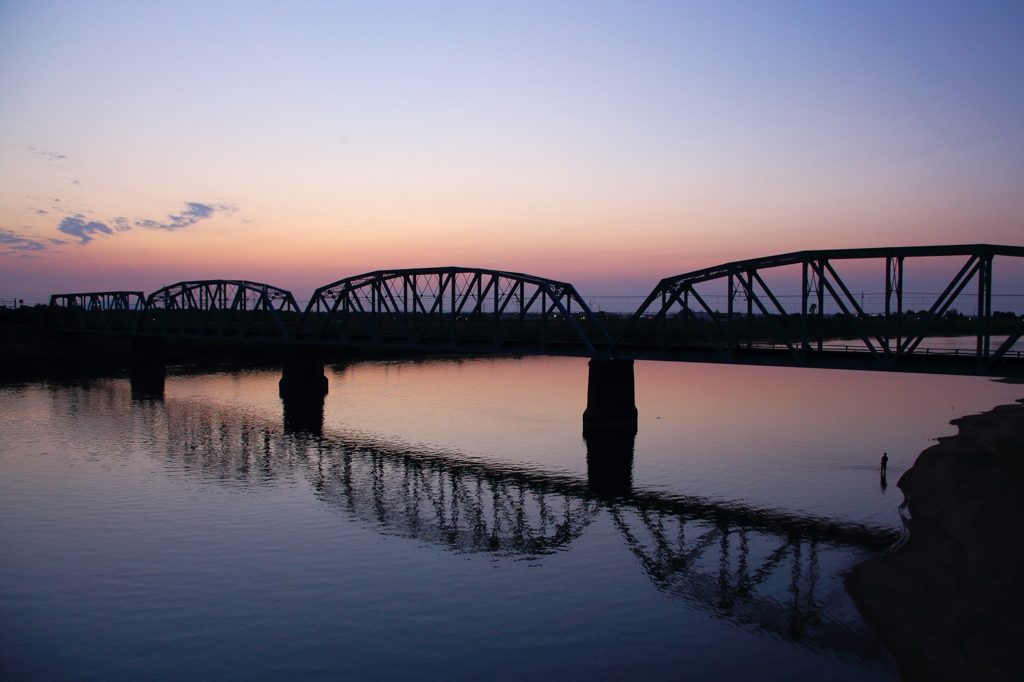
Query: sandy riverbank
x,y
949,603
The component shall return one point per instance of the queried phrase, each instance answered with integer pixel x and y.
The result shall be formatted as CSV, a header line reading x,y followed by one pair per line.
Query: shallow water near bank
x,y
443,523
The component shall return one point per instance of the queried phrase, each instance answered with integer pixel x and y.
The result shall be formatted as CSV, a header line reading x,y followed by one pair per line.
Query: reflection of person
x,y
885,461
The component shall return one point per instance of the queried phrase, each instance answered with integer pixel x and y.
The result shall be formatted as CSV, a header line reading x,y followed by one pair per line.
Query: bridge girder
x,y
221,308
663,324
453,308
492,311
106,311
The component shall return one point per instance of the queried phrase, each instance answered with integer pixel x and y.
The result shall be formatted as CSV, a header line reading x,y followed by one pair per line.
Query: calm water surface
x,y
441,522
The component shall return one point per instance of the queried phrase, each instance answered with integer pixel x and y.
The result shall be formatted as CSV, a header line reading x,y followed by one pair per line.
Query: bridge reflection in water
x,y
758,568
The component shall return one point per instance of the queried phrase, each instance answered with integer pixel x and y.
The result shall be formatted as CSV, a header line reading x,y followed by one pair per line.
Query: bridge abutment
x,y
303,371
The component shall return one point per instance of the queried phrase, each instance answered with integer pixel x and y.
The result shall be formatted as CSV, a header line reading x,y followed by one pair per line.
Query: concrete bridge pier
x,y
146,369
302,389
303,371
609,427
611,397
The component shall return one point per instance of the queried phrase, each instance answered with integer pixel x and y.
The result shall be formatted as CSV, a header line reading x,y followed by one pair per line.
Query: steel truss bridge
x,y
762,569
467,310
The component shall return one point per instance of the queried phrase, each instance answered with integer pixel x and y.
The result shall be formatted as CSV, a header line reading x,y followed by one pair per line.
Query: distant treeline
x,y
678,328
24,314
698,327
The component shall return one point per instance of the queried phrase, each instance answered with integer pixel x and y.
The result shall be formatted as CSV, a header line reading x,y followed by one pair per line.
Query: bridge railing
x,y
102,311
677,317
453,308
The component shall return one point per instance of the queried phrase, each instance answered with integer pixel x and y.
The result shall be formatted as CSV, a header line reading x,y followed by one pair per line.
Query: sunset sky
x,y
605,143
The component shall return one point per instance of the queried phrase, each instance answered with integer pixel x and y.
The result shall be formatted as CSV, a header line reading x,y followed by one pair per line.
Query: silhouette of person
x,y
885,462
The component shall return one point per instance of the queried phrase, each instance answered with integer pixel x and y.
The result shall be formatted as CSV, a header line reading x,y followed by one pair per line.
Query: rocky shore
x,y
948,604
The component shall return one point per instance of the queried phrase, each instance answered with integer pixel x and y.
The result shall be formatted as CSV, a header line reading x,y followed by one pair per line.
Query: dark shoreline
x,y
948,603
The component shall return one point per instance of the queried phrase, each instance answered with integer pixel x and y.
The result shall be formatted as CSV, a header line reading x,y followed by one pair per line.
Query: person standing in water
x,y
885,461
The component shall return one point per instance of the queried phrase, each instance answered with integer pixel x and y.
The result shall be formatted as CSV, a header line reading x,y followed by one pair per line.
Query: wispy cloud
x,y
193,213
11,242
85,230
76,226
49,157
49,205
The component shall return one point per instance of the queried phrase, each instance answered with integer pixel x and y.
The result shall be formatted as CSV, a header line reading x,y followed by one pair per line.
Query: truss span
x,y
677,321
221,308
104,311
451,308
469,310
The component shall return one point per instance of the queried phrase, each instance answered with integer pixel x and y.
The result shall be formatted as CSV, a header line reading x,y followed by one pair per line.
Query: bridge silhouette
x,y
724,558
478,311
759,568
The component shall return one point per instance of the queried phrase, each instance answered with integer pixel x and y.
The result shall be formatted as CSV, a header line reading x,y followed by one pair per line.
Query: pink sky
x,y
609,146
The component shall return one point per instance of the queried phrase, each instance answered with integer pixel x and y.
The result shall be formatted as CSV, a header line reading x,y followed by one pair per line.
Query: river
x,y
438,520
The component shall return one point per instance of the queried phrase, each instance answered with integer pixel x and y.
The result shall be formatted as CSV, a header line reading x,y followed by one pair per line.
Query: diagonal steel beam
x,y
636,317
725,351
572,324
395,311
749,286
269,307
499,309
500,303
545,312
660,316
1013,338
861,315
855,322
941,304
355,305
247,314
521,317
477,308
330,311
438,300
